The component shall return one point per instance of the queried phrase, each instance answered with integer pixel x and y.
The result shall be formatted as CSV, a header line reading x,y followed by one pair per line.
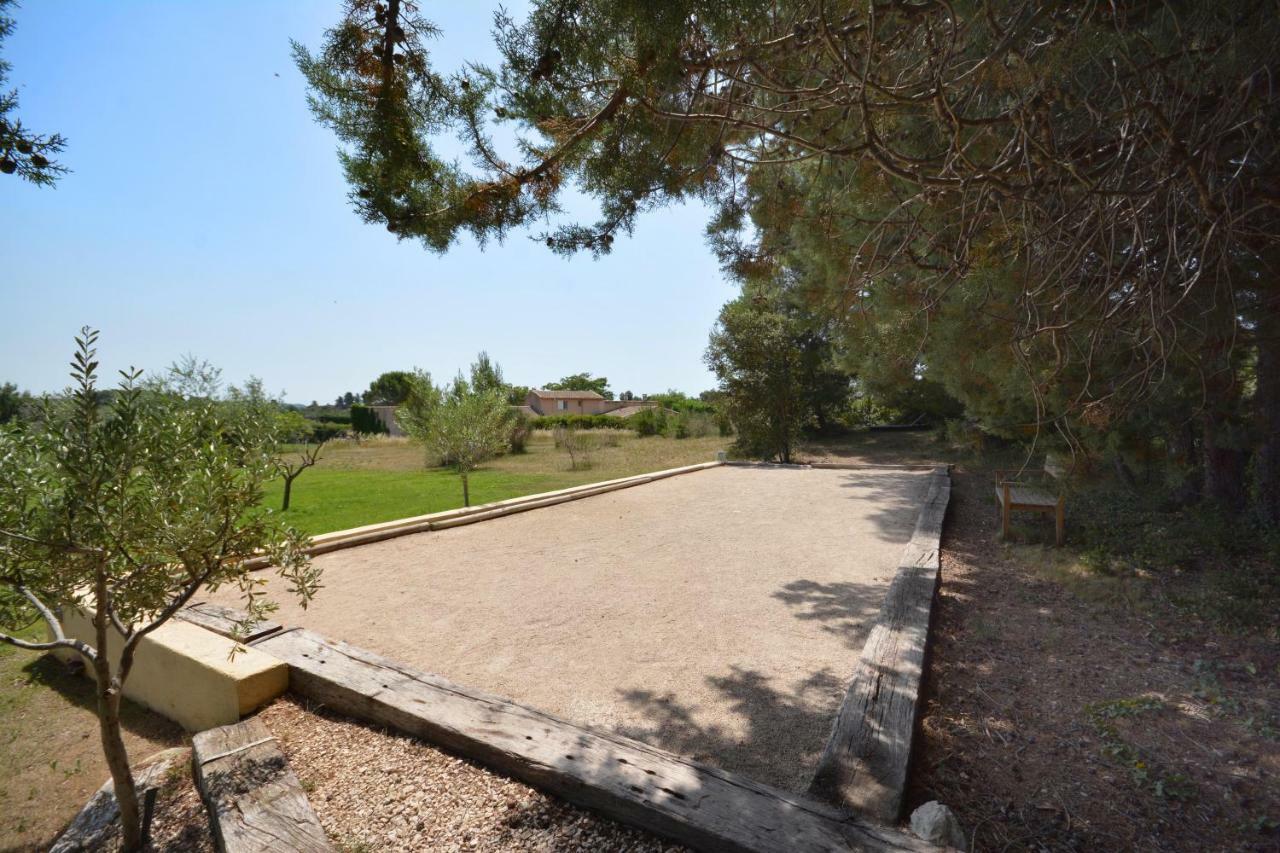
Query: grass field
x,y
50,755
385,479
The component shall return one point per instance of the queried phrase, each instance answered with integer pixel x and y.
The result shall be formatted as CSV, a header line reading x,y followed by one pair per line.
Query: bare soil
x,y
1063,716
50,754
717,614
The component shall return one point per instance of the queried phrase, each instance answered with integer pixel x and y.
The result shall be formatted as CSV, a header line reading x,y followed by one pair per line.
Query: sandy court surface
x,y
717,614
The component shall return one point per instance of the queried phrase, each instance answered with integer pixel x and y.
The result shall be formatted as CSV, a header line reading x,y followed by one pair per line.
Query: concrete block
x,y
185,672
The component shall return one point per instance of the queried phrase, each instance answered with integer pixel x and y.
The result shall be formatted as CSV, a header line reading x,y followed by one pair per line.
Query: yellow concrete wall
x,y
184,672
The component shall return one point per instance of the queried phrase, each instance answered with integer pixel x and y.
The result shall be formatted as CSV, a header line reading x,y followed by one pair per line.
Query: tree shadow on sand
x,y
769,732
774,736
846,607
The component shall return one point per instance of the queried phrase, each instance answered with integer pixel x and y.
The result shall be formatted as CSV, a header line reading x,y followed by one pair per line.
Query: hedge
x,y
365,421
580,422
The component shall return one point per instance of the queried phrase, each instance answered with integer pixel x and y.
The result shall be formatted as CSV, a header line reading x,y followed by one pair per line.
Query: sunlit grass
x,y
386,479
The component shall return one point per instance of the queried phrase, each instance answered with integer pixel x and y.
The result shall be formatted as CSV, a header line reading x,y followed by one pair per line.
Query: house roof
x,y
566,395
628,411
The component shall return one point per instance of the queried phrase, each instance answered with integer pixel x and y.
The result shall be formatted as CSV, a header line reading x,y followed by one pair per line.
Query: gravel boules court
x,y
717,614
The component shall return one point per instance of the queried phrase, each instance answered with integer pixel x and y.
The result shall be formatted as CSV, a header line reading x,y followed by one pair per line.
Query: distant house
x,y
543,402
387,414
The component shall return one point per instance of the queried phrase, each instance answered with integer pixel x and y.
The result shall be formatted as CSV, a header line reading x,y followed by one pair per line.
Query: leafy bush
x,y
365,421
679,402
520,431
581,422
1126,532
690,425
649,422
321,431
963,434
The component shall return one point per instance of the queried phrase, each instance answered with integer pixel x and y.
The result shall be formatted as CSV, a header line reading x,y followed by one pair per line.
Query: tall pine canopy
x,y
1064,213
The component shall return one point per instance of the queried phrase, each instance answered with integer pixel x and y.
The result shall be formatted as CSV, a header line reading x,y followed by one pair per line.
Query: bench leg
x,y
1004,521
1060,524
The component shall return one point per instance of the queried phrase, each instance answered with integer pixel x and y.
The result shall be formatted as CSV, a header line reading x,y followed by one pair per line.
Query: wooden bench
x,y
1015,496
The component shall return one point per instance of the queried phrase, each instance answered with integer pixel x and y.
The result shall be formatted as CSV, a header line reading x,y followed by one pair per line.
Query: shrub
x,y
519,435
649,422
694,425
580,422
321,431
366,422
578,445
679,402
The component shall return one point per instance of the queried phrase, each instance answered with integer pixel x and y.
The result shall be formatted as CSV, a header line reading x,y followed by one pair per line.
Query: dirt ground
x,y
1052,722
717,614
50,754
1061,717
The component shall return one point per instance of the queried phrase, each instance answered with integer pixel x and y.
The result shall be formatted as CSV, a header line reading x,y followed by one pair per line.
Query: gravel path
x,y
717,614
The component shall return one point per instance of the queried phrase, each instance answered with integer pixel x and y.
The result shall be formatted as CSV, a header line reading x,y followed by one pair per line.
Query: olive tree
x,y
461,427
125,510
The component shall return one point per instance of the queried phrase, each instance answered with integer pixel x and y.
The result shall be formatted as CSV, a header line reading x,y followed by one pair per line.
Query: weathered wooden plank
x,y
256,803
225,621
834,466
864,765
691,803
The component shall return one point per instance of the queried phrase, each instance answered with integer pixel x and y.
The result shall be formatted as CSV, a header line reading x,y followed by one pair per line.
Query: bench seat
x,y
1021,496
1012,495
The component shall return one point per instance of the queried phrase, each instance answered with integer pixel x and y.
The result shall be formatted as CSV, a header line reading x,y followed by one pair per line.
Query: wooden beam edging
x,y
339,539
227,622
256,803
623,779
864,766
837,466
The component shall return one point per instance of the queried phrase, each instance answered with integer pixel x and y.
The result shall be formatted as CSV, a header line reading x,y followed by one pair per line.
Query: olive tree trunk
x,y
109,690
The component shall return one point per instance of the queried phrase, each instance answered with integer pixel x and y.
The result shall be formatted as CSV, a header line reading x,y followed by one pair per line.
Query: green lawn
x,y
382,480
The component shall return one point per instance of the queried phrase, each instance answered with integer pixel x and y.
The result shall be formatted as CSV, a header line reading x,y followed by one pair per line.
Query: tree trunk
x,y
109,726
1266,404
466,492
118,762
288,489
1125,473
1225,464
1186,455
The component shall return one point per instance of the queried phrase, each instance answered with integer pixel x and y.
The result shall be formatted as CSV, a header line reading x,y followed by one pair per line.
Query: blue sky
x,y
207,214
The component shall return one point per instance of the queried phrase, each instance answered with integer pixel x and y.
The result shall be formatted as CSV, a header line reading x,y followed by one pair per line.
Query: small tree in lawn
x,y
289,467
463,427
285,427
127,510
